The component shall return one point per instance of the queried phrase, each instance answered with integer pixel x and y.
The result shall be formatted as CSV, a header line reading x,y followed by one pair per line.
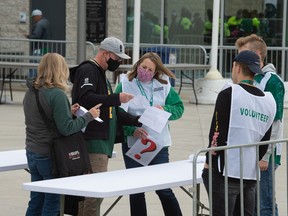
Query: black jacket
x,y
90,87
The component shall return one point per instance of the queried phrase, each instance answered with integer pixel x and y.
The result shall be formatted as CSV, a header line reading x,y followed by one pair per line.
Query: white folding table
x,y
16,159
121,182
13,160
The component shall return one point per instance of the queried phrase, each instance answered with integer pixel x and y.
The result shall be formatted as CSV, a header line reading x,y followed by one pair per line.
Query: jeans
x,y
266,193
33,72
168,200
218,194
41,204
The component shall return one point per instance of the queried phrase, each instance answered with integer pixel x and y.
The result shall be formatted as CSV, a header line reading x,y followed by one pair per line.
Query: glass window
x,y
150,21
262,17
177,24
190,21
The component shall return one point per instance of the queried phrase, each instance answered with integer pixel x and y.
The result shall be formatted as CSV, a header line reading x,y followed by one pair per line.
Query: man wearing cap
x,y
41,29
243,114
90,87
271,82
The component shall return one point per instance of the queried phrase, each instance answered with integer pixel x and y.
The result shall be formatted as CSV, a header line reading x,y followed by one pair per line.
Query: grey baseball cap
x,y
114,45
36,12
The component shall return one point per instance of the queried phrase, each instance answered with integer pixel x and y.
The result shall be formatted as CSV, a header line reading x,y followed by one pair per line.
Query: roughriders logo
x,y
86,83
74,155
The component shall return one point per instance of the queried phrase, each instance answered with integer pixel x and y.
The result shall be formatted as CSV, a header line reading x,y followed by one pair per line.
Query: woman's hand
x,y
140,133
95,111
159,107
74,108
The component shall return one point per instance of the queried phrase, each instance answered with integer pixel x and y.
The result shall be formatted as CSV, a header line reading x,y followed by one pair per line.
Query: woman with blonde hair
x,y
150,78
51,83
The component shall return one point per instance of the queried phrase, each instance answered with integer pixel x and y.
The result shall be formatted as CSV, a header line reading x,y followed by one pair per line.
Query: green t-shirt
x,y
276,87
101,146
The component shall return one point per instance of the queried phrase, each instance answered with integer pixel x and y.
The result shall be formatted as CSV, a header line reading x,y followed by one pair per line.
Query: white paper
x,y
138,101
155,118
125,106
143,151
82,110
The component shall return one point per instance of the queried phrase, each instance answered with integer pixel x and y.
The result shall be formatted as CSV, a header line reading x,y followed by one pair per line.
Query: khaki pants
x,y
90,206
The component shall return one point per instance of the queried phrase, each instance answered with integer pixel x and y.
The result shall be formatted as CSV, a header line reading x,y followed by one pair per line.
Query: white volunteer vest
x,y
278,132
160,93
250,118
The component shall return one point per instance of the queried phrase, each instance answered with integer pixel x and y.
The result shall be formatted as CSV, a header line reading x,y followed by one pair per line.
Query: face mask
x,y
144,75
112,64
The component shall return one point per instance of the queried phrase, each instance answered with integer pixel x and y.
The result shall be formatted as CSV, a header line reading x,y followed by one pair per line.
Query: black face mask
x,y
112,64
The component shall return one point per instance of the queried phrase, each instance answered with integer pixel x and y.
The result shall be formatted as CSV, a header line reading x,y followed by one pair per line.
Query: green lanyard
x,y
142,90
250,82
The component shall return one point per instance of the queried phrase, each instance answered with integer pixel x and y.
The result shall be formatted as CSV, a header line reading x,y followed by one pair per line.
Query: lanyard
x,y
250,82
142,90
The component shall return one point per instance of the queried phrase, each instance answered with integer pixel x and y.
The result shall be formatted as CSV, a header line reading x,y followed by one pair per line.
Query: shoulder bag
x,y
70,157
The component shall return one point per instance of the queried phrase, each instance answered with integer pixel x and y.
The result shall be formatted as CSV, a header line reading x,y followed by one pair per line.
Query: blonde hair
x,y
253,43
159,71
52,72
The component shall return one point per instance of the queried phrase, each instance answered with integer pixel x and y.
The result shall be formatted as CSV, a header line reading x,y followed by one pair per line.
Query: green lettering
x,y
241,111
254,114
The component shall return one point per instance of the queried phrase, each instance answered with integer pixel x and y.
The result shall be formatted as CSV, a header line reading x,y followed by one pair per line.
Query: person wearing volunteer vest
x,y
149,79
243,114
271,82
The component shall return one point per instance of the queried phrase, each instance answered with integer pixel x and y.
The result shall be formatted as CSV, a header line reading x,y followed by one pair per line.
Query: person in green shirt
x,y
90,85
149,82
268,81
52,85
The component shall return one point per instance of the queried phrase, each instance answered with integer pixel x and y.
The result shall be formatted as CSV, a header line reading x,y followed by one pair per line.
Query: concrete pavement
x,y
189,134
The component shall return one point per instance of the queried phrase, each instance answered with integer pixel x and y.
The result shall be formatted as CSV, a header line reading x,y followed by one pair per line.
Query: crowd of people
x,y
244,23
149,79
188,27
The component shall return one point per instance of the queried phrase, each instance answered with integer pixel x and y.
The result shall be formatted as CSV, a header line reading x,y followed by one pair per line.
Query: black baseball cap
x,y
251,59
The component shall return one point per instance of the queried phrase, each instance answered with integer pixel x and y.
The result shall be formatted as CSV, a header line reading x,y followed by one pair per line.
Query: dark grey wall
x,y
55,12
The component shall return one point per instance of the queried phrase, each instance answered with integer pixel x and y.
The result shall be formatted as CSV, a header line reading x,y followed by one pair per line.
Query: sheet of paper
x,y
82,110
155,118
143,151
138,101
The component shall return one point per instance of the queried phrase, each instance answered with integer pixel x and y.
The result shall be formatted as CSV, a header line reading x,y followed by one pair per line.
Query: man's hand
x,y
125,97
95,111
263,165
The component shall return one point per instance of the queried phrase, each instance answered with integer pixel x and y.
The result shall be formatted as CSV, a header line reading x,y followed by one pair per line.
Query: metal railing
x,y
275,55
20,51
30,51
240,147
13,49
174,54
